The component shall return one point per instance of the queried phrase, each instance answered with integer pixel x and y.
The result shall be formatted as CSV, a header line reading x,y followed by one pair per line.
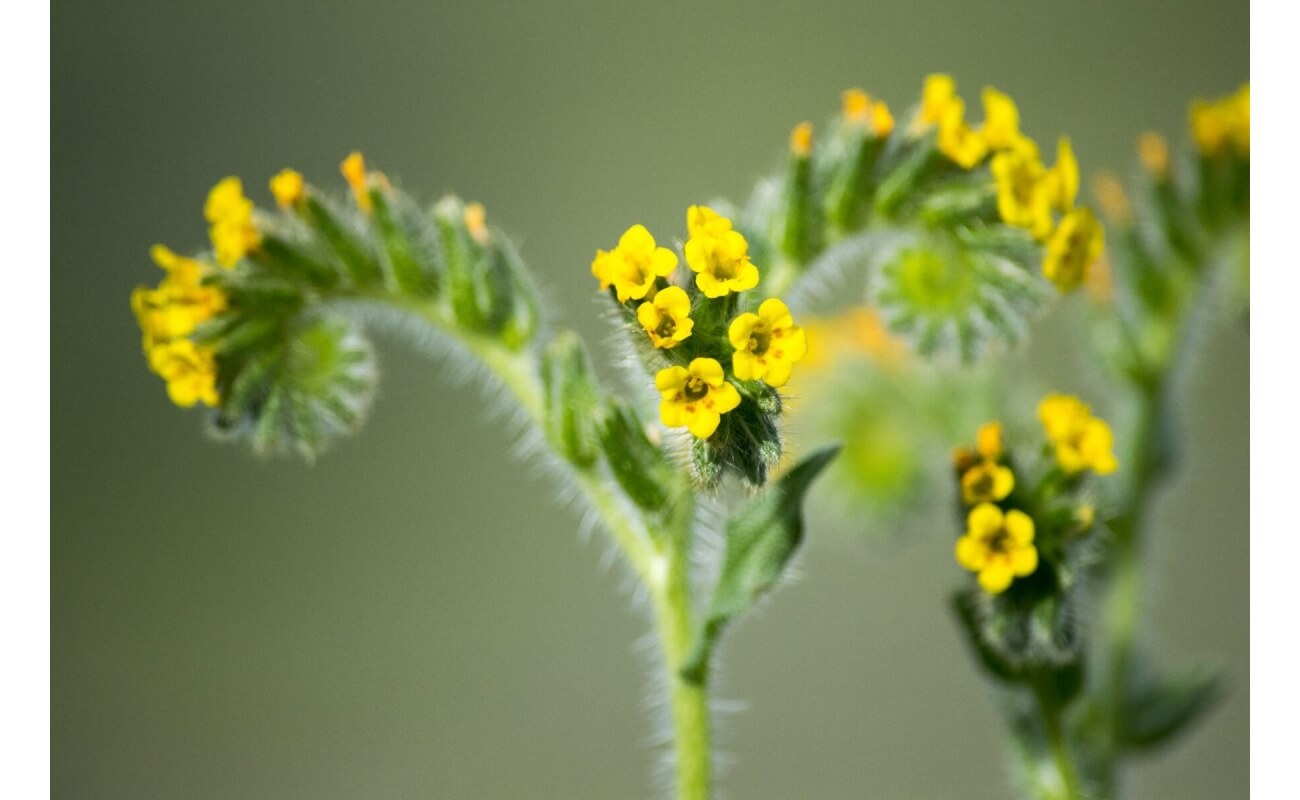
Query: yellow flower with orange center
x,y
998,546
1081,440
767,344
718,255
695,397
666,318
631,268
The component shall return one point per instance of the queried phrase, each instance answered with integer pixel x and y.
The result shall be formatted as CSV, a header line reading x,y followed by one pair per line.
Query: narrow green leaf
x,y
761,538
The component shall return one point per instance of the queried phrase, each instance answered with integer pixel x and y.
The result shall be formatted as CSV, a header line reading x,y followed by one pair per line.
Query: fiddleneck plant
x,y
962,230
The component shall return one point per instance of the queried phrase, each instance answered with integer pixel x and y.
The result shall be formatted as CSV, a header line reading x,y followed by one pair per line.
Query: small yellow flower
x,y
1000,547
288,188
179,303
631,268
1001,127
801,139
1082,441
1075,245
986,482
882,121
988,441
1153,152
717,254
1024,193
354,172
1218,124
1063,177
189,370
768,344
666,318
855,106
1112,197
939,93
695,397
476,222
957,141
231,216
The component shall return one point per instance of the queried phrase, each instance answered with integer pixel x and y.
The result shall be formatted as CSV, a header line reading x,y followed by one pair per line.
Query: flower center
x,y
1000,541
759,340
696,389
666,328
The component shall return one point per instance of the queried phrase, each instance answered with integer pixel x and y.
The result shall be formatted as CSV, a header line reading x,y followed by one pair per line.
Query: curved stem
x,y
661,561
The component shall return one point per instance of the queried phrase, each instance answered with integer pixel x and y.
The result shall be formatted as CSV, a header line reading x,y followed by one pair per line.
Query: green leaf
x,y
761,539
1157,709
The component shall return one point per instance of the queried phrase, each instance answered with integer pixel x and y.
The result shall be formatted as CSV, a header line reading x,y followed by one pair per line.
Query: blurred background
x,y
414,615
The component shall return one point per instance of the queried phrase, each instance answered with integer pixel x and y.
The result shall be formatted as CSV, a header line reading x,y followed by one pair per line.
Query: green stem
x,y
661,562
670,588
1060,748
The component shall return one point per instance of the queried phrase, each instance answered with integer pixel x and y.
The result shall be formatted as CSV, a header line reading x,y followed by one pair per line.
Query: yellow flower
x,y
801,139
1112,197
354,172
1024,193
986,482
957,141
288,188
855,106
695,397
1000,547
1082,441
631,268
231,216
1220,123
1063,177
667,317
1153,152
179,303
190,372
988,441
475,217
939,93
717,254
768,344
1075,245
1001,128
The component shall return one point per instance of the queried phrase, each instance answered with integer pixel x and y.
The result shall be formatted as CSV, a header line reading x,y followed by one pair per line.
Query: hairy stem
x,y
1071,788
661,561
670,587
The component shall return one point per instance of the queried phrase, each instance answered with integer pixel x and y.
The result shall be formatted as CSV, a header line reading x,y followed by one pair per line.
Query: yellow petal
x,y
1024,561
725,398
983,520
971,553
746,366
671,413
709,285
778,372
648,315
674,301
1020,526
708,370
703,423
663,262
740,330
775,313
671,379
637,240
747,279
996,576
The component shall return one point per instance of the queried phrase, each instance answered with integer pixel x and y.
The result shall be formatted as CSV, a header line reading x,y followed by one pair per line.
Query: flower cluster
x,y
1000,543
1030,195
168,316
230,215
711,354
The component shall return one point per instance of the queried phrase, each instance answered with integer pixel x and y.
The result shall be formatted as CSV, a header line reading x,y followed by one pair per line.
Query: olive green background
x,y
415,616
